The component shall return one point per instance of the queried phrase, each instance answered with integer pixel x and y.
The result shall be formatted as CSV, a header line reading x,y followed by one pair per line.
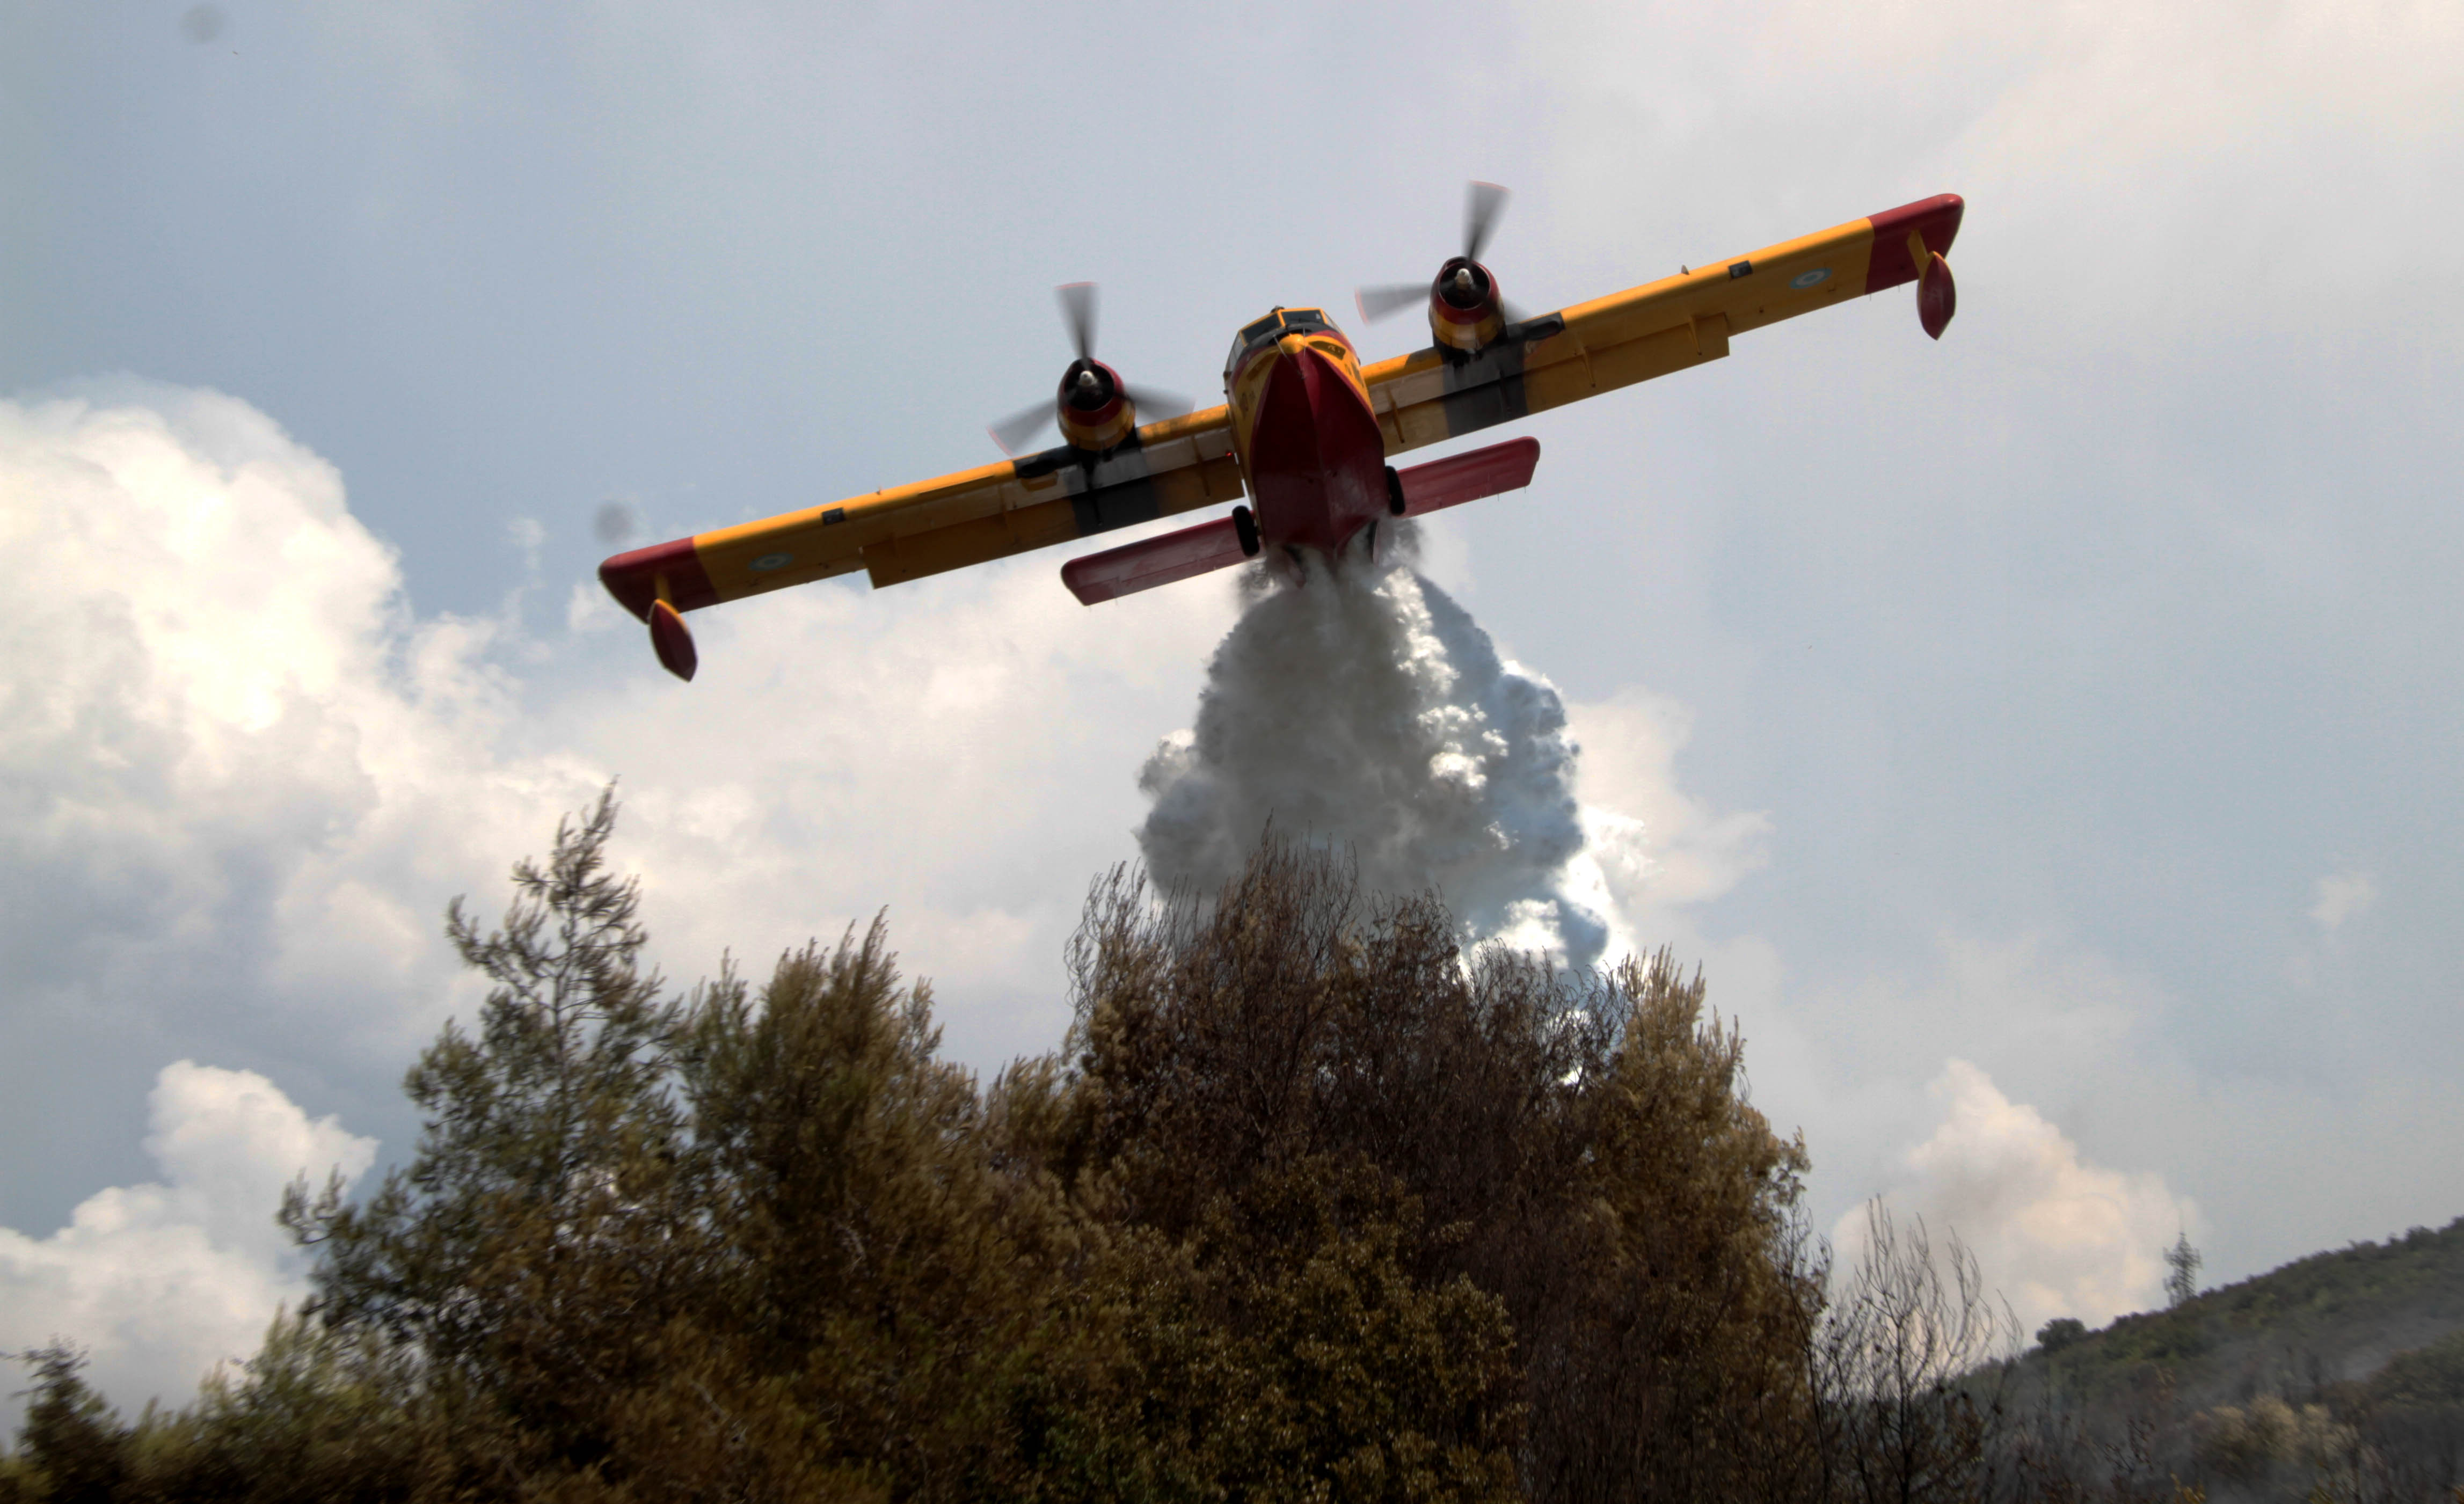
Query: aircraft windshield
x,y
1299,320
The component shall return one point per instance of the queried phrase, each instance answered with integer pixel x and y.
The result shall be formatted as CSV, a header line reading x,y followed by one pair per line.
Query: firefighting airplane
x,y
1304,431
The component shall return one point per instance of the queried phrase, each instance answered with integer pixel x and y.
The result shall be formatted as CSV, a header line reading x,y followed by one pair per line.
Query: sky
x,y
2044,740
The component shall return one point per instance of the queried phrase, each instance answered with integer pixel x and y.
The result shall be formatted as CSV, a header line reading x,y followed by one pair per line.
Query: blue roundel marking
x,y
1805,279
770,561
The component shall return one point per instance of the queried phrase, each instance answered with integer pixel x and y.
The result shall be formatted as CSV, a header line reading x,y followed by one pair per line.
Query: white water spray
x,y
1368,711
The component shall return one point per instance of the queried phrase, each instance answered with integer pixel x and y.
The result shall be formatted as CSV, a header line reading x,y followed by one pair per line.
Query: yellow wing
x,y
935,525
1657,328
1184,463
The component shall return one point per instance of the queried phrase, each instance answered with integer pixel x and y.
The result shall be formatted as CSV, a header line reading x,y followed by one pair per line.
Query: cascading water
x,y
1367,710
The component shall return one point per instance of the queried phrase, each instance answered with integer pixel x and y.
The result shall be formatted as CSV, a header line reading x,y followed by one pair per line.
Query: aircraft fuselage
x,y
1307,436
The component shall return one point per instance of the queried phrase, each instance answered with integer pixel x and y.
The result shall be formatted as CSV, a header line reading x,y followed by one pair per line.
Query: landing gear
x,y
1244,527
1393,492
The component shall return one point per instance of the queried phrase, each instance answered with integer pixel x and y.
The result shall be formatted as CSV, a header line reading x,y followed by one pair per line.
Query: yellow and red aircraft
x,y
1304,431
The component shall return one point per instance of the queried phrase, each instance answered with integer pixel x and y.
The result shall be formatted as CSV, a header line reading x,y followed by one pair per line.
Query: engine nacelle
x,y
1465,311
1094,407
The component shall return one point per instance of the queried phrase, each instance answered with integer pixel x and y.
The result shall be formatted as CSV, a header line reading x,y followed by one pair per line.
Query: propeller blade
x,y
1012,432
1481,206
1078,310
1388,298
1153,404
1514,311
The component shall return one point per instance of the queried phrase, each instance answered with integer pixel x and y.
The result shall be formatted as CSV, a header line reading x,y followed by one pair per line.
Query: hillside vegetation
x,y
2342,1371
2338,1315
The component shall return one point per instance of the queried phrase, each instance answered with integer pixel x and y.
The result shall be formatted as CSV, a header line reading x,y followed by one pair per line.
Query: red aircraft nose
x,y
1317,459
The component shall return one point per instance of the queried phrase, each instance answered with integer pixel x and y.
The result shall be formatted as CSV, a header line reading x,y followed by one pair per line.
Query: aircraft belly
x,y
1317,462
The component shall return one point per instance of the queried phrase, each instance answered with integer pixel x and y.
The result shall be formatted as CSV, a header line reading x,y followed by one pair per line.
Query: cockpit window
x,y
1264,329
1280,322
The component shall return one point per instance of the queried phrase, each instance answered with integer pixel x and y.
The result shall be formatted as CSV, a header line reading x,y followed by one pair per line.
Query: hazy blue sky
x,y
2051,735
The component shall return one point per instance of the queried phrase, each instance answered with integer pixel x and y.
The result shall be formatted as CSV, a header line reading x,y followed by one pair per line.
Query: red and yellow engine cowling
x,y
1096,413
1464,313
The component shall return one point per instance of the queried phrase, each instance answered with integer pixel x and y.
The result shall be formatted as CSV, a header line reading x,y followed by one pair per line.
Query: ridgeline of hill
x,y
2385,1318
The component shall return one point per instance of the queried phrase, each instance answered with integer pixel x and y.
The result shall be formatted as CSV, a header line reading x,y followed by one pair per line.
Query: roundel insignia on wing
x,y
770,561
1805,279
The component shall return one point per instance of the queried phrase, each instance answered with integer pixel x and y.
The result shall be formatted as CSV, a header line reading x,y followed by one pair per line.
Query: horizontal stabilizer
x,y
1143,565
1469,478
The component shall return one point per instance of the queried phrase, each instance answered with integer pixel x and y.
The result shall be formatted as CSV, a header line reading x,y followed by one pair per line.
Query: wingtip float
x,y
658,584
1305,432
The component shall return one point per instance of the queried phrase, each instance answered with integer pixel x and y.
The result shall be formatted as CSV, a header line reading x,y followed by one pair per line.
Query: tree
x,y
1580,1146
1906,1371
2182,1284
1311,1205
879,1286
71,1448
728,1246
1256,1121
532,1229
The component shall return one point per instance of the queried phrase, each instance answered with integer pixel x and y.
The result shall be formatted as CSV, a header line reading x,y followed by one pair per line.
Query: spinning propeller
x,y
1094,407
1462,283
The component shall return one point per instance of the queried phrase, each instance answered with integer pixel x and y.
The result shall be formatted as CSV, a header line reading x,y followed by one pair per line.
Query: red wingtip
x,y
1935,221
672,640
636,578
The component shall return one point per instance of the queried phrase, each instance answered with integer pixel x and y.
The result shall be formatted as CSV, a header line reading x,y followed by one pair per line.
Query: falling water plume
x,y
1367,710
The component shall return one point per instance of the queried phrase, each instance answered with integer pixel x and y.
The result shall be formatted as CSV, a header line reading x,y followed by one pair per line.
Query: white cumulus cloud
x,y
158,1282
238,772
2054,1234
1649,846
2343,896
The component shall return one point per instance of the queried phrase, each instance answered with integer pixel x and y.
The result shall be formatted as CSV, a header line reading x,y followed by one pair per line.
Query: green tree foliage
x,y
1579,1146
769,1244
1310,1206
860,1255
718,1246
536,1221
70,1449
